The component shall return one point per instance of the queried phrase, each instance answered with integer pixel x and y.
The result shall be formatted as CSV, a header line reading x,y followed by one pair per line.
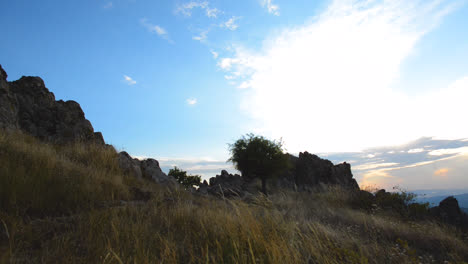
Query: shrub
x,y
181,176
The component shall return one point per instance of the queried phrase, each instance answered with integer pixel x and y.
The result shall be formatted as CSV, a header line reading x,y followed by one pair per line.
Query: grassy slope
x,y
62,205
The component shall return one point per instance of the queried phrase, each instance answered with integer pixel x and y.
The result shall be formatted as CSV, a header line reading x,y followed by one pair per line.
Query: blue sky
x,y
179,80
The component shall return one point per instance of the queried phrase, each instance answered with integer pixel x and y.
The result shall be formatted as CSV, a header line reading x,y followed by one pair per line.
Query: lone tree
x,y
258,157
181,176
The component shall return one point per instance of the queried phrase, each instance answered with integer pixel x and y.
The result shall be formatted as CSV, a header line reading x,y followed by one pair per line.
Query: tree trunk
x,y
264,190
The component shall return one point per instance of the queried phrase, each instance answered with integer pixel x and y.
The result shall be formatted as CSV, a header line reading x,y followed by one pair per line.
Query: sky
x,y
380,84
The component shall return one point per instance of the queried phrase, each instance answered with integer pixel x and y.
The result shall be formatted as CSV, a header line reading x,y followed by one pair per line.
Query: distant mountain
x,y
435,200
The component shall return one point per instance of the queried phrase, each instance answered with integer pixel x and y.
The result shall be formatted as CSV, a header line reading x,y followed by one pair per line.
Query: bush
x,y
181,176
258,157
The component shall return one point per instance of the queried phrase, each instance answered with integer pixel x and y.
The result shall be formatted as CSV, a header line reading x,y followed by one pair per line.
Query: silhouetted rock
x,y
449,212
151,170
312,170
148,169
226,185
27,104
8,104
309,172
130,165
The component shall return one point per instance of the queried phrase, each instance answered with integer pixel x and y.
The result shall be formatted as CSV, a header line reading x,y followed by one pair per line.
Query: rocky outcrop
x,y
8,104
147,169
227,185
312,170
130,165
27,104
308,171
449,212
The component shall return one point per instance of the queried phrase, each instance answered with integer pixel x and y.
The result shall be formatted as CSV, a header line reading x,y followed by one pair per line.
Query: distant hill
x,y
435,200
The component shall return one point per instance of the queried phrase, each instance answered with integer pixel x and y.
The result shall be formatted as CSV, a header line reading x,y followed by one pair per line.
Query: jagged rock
x,y
8,104
151,170
148,169
449,212
226,185
130,165
310,171
306,173
27,104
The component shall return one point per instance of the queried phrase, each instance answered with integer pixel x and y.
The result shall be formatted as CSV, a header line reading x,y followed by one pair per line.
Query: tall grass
x,y
42,179
68,225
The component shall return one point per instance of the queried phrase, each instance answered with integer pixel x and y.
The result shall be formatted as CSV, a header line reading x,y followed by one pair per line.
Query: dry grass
x,y
50,213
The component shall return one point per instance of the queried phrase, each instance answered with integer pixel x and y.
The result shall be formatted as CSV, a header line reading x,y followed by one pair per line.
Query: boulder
x,y
148,169
310,171
130,165
225,184
449,212
27,104
151,170
8,104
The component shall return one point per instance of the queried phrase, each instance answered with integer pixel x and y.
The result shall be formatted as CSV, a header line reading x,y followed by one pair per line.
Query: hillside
x,y
69,198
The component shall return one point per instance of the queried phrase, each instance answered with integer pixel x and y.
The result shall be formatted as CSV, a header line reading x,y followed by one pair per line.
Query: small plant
x,y
181,176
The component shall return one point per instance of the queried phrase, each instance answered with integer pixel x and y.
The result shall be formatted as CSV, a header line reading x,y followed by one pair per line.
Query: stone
x,y
130,165
151,170
27,105
146,169
8,104
308,172
449,212
225,185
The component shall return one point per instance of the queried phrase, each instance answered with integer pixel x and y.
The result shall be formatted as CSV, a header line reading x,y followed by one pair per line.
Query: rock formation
x,y
310,170
27,104
449,212
226,185
306,173
147,169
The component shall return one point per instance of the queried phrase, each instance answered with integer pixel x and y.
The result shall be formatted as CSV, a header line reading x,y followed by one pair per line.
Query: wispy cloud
x,y
186,9
192,101
202,37
410,169
231,23
344,63
212,12
160,31
129,80
215,54
272,8
206,167
108,5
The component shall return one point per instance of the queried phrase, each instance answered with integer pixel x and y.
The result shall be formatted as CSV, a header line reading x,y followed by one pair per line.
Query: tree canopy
x,y
257,157
186,180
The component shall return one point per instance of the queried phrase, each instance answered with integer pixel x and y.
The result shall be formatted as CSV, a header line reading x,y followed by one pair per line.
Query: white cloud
x,y
186,9
231,23
201,37
160,31
327,85
417,150
272,8
108,5
192,101
212,12
215,54
129,80
453,151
